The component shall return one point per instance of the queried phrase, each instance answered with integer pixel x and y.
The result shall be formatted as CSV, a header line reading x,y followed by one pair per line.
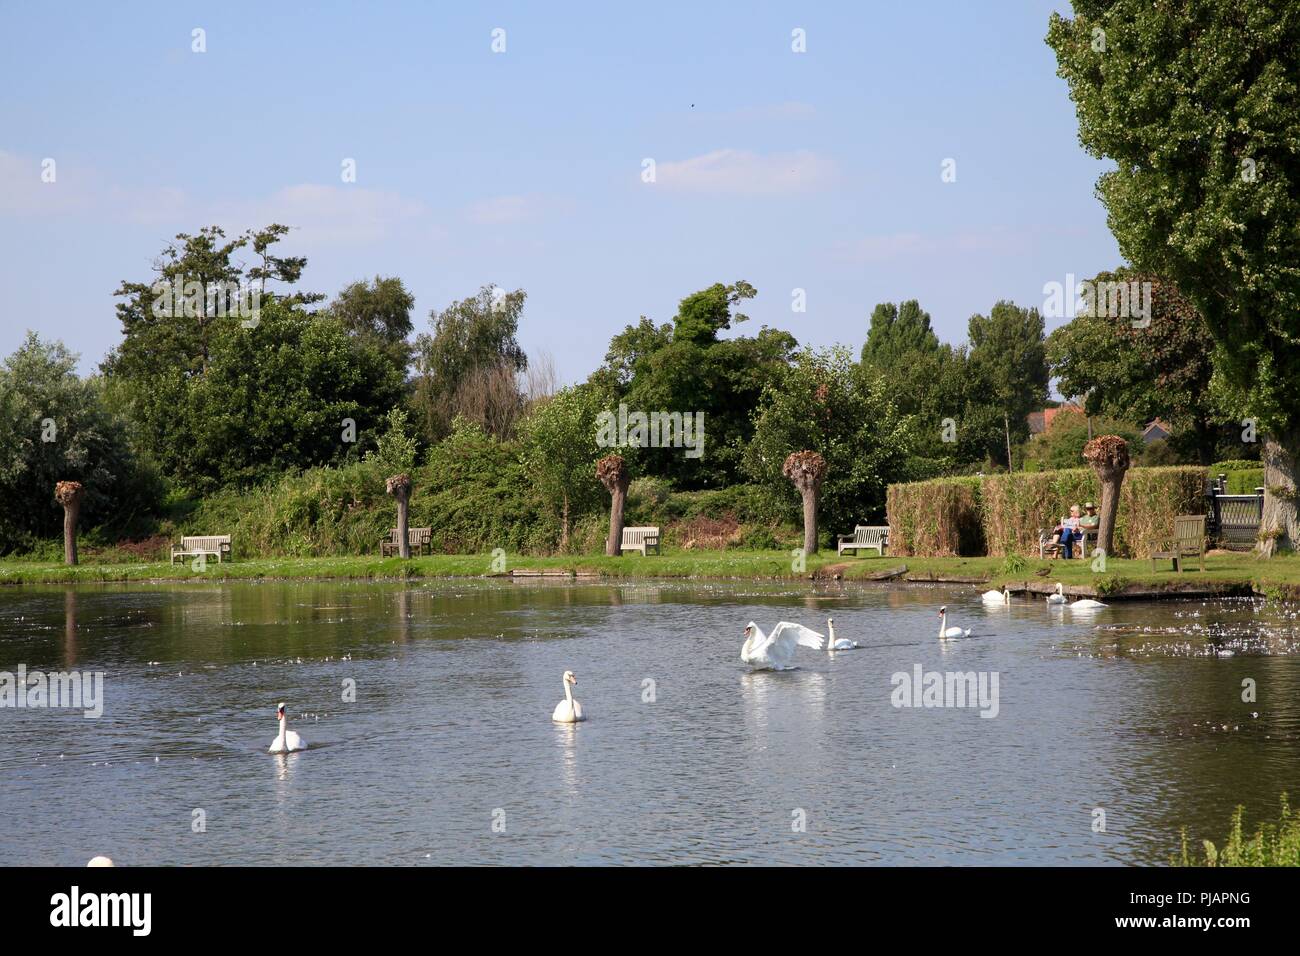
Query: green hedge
x,y
936,517
1001,514
1244,476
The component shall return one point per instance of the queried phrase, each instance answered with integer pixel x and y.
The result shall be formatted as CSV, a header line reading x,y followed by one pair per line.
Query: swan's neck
x,y
830,628
283,739
943,622
568,694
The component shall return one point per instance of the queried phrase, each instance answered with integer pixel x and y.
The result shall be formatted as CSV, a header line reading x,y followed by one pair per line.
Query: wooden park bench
x,y
1188,541
420,540
865,538
645,540
1082,545
214,545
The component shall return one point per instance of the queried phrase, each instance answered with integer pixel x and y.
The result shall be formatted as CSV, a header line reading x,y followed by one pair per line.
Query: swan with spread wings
x,y
775,651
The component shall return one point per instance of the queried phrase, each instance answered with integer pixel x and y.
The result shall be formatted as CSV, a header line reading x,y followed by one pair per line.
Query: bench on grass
x,y
1045,547
1188,541
865,538
645,540
420,540
214,545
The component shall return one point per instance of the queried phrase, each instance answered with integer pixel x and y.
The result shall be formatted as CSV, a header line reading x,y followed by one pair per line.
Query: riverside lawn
x,y
1226,573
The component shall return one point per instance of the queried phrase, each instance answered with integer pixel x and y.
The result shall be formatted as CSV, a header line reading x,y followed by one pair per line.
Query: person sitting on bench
x,y
1068,532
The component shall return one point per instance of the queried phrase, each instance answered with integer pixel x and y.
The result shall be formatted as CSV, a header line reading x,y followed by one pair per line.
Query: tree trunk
x,y
1110,459
1279,527
617,496
71,511
68,494
1111,481
809,520
1204,433
399,486
403,496
611,471
564,524
1006,428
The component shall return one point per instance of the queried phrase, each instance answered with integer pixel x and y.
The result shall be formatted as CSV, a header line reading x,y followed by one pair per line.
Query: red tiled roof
x,y
1041,421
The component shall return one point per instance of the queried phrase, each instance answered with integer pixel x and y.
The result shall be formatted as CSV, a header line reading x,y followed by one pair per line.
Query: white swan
x,y
1059,596
945,631
777,651
568,711
843,644
997,597
1086,604
287,739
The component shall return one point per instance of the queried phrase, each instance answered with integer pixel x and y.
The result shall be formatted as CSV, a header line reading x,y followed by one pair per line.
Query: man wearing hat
x,y
1089,523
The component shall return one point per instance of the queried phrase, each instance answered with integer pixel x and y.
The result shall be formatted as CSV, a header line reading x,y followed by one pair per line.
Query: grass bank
x,y
1225,573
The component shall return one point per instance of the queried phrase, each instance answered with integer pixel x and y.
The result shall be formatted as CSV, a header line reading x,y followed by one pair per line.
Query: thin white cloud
x,y
744,173
514,209
326,214
321,214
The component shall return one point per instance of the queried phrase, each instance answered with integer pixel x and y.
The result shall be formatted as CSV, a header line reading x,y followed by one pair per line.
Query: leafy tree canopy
x,y
470,339
685,367
827,403
55,426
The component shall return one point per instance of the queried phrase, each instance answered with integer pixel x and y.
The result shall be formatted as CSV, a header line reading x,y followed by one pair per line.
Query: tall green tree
x,y
380,312
290,393
559,451
826,403
472,353
898,333
1008,363
686,366
1140,368
1195,102
174,326
55,426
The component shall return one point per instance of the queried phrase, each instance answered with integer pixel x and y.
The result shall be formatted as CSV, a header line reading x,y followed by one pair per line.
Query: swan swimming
x,y
1086,604
777,651
287,739
996,597
1059,596
568,711
945,631
843,644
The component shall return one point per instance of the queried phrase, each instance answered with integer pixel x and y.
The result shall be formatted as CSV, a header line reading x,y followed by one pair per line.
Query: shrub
x,y
1001,514
1244,475
1274,844
936,517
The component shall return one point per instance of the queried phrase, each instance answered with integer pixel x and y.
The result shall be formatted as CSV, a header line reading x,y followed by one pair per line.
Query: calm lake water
x,y
1135,710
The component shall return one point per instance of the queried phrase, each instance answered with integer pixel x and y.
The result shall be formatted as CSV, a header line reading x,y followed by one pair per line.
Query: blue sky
x,y
818,170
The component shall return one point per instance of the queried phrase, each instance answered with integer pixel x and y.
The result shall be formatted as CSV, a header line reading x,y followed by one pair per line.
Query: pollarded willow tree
x,y
1196,104
807,470
1109,457
399,486
68,494
613,474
